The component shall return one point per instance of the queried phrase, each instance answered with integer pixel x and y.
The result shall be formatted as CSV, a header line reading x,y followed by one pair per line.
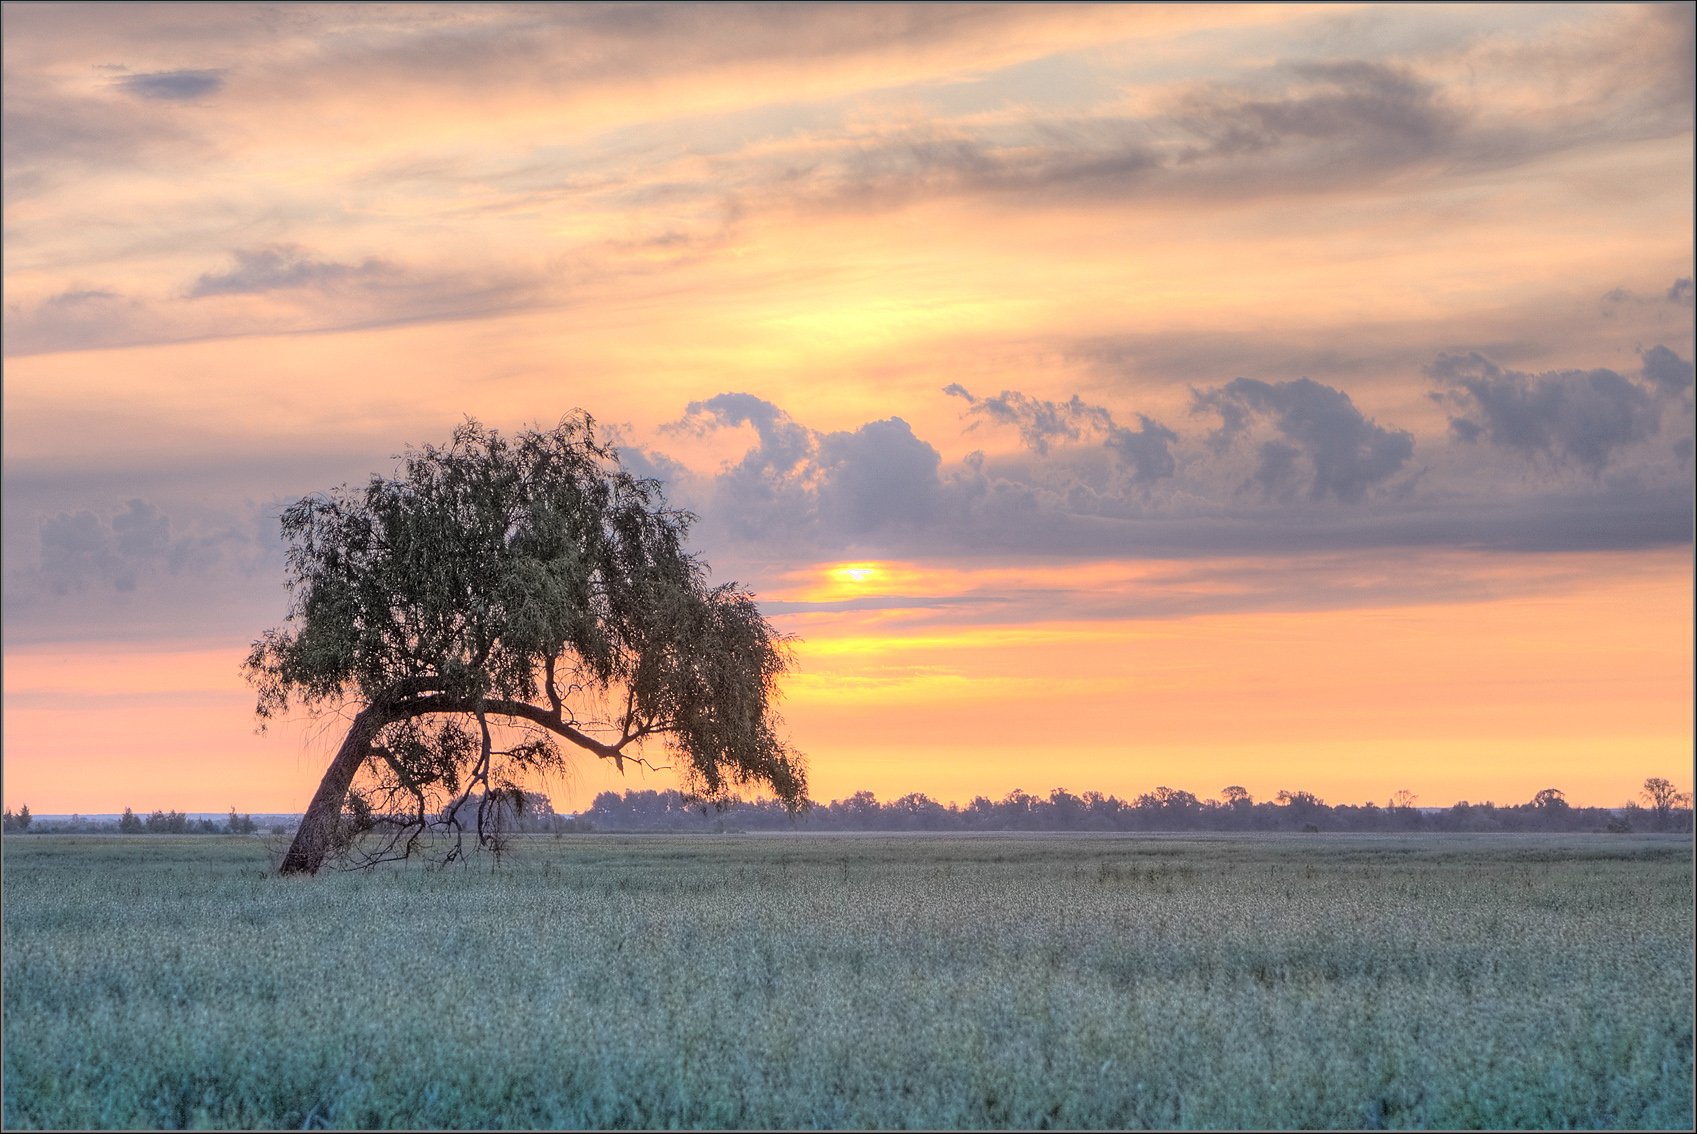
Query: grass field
x,y
1302,981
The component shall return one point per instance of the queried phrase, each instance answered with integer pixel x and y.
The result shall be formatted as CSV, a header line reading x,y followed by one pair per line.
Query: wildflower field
x,y
859,981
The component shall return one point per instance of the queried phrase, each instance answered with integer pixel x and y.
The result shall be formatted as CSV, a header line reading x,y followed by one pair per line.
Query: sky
x,y
1295,397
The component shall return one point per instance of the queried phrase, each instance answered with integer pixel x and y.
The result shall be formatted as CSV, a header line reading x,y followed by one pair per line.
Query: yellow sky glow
x,y
1344,445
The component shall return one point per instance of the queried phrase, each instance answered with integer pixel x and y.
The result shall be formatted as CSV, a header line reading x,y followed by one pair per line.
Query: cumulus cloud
x,y
1581,416
850,484
1669,373
880,489
1144,451
1336,452
1292,466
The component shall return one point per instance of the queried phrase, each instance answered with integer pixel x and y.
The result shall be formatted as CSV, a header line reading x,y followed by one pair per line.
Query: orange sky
x,y
1321,397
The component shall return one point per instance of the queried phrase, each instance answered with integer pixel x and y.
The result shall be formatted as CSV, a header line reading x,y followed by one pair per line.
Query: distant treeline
x,y
129,823
1163,809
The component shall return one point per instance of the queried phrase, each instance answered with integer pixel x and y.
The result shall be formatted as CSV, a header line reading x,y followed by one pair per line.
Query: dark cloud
x,y
881,489
1295,127
878,477
783,443
1669,373
1346,453
1681,292
1317,127
1039,422
1583,416
1143,451
173,86
841,486
280,266
1357,110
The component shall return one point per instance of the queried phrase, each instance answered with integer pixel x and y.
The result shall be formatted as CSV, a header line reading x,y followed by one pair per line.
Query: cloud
x,y
878,477
173,86
1041,423
1076,491
269,290
1145,449
52,138
1346,453
77,319
1358,111
1313,126
80,550
281,266
845,485
116,570
1681,292
1583,416
1669,373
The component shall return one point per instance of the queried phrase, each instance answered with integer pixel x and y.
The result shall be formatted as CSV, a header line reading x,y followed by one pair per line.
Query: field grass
x,y
1047,980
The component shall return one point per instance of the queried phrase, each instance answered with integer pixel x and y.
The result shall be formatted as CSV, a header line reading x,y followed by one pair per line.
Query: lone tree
x,y
500,596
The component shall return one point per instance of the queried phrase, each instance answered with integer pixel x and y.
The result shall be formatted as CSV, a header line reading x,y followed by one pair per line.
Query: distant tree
x,y
1403,800
1236,796
1303,807
167,823
129,823
1550,800
241,824
1663,797
495,597
19,822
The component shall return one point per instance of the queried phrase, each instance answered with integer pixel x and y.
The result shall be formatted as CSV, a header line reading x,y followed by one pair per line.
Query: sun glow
x,y
848,581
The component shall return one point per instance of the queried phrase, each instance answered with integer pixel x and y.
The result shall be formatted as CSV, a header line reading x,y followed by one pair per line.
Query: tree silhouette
x,y
1662,797
496,597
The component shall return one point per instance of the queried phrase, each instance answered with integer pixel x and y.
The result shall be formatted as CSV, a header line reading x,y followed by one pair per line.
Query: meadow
x,y
857,981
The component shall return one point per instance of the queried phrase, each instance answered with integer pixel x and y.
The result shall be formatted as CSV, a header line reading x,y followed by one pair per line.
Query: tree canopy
x,y
499,596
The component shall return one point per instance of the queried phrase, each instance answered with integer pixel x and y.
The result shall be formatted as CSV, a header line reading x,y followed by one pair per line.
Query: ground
x,y
860,981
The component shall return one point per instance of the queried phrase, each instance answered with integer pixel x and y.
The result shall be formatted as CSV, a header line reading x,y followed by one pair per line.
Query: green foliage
x,y
502,594
1499,981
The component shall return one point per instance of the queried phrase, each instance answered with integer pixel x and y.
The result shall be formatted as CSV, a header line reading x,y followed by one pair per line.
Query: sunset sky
x,y
1109,397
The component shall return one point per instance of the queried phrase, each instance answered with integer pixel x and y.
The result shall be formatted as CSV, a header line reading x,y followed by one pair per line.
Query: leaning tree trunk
x,y
316,834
